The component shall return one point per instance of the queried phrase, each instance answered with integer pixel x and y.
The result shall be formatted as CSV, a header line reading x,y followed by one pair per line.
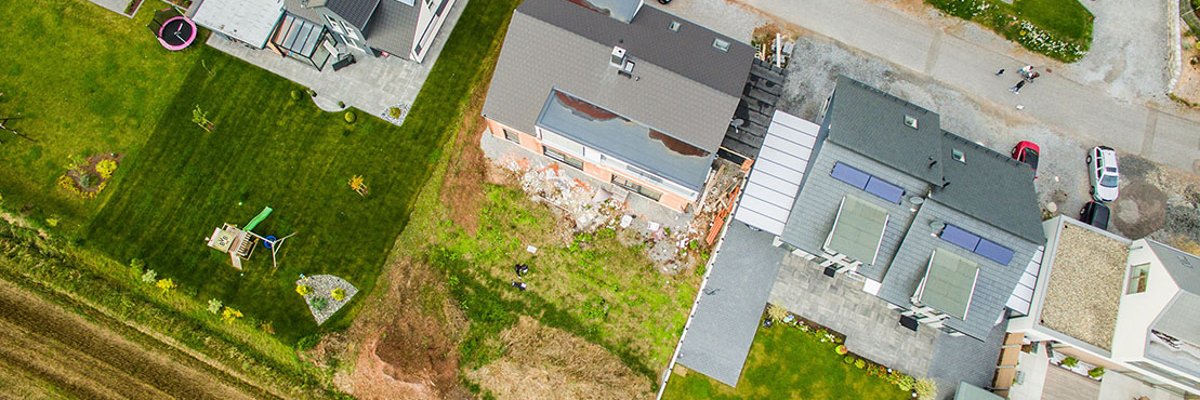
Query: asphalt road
x,y
1085,112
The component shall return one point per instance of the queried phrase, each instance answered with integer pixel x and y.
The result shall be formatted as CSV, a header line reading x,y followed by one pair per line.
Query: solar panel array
x,y
867,182
970,241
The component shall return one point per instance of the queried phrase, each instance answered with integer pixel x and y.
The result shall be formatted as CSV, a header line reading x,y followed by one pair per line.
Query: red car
x,y
1027,152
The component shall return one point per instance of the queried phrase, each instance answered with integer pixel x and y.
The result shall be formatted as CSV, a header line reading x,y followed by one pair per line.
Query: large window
x,y
511,136
1137,278
566,159
636,188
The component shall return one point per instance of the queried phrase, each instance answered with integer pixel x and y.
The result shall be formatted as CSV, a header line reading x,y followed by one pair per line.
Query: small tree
x,y
303,290
150,276
926,389
338,294
200,117
359,185
165,284
230,315
319,303
214,306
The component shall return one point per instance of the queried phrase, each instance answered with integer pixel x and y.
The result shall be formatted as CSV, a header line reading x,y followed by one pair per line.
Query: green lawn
x,y
594,286
86,81
1061,29
93,82
1064,17
787,363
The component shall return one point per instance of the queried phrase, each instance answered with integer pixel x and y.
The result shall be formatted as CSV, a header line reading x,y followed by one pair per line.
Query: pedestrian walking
x,y
1017,89
1000,72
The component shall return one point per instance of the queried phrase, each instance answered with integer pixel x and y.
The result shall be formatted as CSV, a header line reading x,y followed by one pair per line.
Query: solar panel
x,y
884,190
850,175
960,237
995,252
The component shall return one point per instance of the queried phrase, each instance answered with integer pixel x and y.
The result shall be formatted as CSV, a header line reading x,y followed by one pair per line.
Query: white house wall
x,y
427,20
1138,311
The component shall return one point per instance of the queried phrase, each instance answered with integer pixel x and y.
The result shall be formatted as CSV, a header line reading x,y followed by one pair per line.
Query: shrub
x,y
841,350
52,222
88,180
776,313
137,264
1096,372
350,117
905,382
106,168
230,315
214,306
1070,362
150,276
860,363
295,95
338,294
926,389
394,112
165,284
848,360
319,303
303,290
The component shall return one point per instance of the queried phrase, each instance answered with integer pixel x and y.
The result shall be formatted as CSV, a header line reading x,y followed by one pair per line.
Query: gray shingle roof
x,y
356,12
688,52
393,27
719,337
1183,267
994,285
872,123
1180,319
684,90
976,187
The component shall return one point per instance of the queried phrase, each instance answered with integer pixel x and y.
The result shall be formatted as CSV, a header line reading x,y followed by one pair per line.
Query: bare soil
x,y
1187,89
548,363
406,340
462,189
61,354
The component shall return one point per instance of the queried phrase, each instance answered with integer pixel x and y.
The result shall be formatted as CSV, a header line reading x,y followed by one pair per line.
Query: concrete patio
x,y
372,84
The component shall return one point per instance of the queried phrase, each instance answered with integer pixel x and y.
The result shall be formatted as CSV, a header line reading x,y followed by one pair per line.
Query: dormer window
x,y
958,156
674,26
910,121
721,45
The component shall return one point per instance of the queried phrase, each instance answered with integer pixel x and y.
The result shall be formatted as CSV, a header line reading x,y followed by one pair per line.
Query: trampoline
x,y
177,33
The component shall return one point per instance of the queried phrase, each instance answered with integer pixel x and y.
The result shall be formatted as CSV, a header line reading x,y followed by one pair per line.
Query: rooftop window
x,y
721,45
958,156
910,121
674,26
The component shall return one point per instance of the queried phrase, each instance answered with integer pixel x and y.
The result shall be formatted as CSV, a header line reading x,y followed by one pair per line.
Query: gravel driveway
x,y
1132,46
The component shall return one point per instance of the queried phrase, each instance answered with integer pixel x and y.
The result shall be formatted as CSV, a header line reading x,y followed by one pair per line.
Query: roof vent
x,y
618,57
910,121
674,26
627,69
958,156
721,45
1183,260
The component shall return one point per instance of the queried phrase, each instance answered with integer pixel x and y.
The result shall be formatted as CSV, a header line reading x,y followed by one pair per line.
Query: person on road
x,y
1017,89
1000,72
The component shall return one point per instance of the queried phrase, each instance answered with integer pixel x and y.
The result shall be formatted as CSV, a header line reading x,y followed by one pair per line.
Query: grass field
x,y
89,81
1065,17
787,363
594,285
107,86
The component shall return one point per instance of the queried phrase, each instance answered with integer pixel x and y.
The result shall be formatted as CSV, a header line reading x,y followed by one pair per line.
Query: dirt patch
x,y
462,189
548,363
86,178
1187,89
1140,210
405,340
85,360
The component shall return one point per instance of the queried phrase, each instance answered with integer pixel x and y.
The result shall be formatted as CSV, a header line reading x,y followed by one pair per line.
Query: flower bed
x,y
1024,29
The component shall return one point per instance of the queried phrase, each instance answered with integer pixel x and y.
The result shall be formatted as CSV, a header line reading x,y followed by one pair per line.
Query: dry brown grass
x,y
547,363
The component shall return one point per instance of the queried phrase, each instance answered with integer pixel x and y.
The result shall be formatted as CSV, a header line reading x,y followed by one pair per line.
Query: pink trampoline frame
x,y
186,43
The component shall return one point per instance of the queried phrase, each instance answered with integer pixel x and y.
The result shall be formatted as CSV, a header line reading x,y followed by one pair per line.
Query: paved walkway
x,y
117,6
725,318
1075,109
372,84
872,329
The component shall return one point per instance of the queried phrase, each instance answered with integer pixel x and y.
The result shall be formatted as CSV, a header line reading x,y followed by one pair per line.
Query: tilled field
x,y
54,353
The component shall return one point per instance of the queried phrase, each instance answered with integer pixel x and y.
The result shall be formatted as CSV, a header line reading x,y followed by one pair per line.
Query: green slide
x,y
262,216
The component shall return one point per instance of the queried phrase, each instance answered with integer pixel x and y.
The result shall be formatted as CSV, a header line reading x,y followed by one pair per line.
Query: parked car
x,y
1095,213
1027,152
1103,173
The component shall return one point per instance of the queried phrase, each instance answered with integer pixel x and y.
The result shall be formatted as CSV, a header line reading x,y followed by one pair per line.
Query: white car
x,y
1103,173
